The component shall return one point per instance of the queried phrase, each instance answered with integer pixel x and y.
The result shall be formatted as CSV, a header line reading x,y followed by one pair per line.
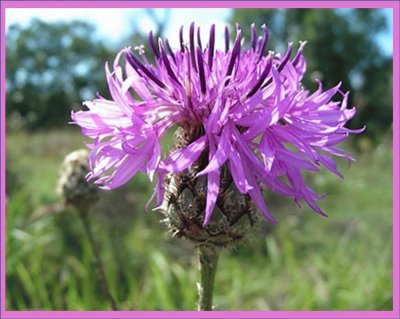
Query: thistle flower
x,y
242,114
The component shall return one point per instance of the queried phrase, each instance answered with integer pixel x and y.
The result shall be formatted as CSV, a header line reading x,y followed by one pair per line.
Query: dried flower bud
x,y
72,185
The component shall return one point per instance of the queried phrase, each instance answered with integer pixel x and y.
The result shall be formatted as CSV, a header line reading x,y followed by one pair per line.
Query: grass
x,y
306,262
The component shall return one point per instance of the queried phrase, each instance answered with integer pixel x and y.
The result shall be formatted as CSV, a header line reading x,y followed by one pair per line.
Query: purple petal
x,y
158,191
267,152
221,155
182,158
212,189
330,164
294,160
256,195
126,171
237,171
154,160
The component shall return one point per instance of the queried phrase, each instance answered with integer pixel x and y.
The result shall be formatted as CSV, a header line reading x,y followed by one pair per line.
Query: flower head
x,y
243,108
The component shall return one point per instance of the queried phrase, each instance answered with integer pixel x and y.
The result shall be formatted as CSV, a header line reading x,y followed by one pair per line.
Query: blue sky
x,y
112,23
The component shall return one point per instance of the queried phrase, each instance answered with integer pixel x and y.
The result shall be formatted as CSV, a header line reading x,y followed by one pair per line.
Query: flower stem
x,y
208,260
97,260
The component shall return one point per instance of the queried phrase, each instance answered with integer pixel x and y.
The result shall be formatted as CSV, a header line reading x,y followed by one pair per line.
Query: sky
x,y
112,23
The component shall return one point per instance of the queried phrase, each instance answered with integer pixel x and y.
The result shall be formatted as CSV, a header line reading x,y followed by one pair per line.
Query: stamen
x,y
167,63
259,41
139,49
153,45
226,39
198,38
188,87
235,52
299,52
171,53
181,39
130,60
263,76
286,57
264,41
136,64
253,39
192,49
201,70
211,47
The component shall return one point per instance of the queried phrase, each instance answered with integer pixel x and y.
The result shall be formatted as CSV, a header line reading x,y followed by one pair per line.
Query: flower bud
x,y
72,184
185,201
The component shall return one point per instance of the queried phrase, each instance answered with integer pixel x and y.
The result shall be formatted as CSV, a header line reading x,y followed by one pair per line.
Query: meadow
x,y
305,262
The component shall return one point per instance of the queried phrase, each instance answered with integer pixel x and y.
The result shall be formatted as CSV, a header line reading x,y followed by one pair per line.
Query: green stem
x,y
208,260
97,260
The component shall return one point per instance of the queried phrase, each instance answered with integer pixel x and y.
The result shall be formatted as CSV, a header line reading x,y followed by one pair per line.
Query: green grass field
x,y
305,262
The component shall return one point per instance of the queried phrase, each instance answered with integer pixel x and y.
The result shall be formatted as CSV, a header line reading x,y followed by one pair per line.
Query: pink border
x,y
395,5
2,161
200,4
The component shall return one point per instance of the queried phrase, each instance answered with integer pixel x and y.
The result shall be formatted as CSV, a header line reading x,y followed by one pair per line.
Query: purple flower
x,y
254,115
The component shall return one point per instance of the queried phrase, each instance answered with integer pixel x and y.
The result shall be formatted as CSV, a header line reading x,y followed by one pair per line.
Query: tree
x,y
341,46
51,68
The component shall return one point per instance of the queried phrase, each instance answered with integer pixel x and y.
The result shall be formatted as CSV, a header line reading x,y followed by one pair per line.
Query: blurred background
x,y
55,60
